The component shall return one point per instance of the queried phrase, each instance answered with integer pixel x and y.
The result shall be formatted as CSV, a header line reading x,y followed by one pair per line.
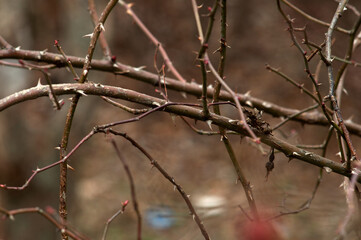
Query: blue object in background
x,y
160,217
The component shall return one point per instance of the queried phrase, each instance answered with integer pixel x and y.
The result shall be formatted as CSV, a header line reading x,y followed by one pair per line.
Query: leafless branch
x,y
189,88
183,109
132,188
141,25
61,226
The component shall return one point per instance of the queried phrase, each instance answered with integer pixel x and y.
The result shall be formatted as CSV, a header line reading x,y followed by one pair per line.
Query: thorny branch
x,y
61,226
183,109
193,111
184,195
189,88
132,187
168,62
74,102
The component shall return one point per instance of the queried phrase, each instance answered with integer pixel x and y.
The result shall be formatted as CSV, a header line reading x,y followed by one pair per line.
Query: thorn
x,y
248,93
88,35
156,104
81,92
209,122
249,103
43,52
345,91
137,69
184,95
102,27
70,167
39,83
173,117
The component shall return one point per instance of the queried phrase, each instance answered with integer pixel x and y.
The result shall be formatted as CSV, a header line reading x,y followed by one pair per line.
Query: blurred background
x,y
30,131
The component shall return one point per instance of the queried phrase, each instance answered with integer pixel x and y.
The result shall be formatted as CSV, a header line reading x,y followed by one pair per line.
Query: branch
x,y
63,228
313,18
339,11
132,189
103,42
289,150
189,88
155,41
5,43
170,179
120,211
74,102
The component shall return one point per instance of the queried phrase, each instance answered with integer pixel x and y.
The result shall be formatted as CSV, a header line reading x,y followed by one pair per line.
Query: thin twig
x,y
236,100
219,76
125,108
132,189
120,211
203,50
312,18
307,68
164,54
61,226
200,132
293,82
353,63
295,115
43,69
242,178
351,203
29,67
102,41
39,170
351,7
306,205
70,65
5,43
170,179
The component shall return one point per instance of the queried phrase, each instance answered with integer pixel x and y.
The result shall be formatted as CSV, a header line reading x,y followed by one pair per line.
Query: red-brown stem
x,y
61,226
170,179
132,188
102,41
155,41
74,102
